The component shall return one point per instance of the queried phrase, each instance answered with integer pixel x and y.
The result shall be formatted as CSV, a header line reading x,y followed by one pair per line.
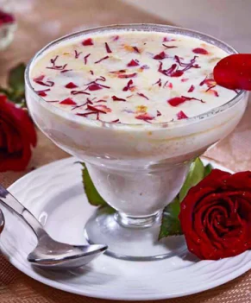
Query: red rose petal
x,y
181,115
160,56
114,98
87,42
68,101
234,72
71,85
191,89
145,117
108,49
200,51
133,63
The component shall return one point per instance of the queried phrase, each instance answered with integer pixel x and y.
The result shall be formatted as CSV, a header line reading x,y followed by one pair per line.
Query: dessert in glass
x,y
136,103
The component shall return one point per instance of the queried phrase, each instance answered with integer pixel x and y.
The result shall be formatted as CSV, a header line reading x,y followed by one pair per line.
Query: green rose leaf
x,y
208,169
16,79
195,175
170,218
16,85
170,224
92,194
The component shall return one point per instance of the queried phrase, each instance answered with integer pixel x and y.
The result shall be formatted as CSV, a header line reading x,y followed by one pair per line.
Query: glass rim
x,y
145,27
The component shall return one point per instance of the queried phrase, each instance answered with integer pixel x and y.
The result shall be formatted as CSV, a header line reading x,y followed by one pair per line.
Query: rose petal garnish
x,y
145,117
87,42
200,51
133,63
107,47
114,98
191,89
160,56
71,85
234,72
179,100
68,101
181,115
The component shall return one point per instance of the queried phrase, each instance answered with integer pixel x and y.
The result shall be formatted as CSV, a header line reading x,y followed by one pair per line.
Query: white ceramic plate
x,y
54,193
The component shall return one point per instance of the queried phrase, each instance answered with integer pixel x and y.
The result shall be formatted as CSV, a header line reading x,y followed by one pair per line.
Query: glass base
x,y
132,239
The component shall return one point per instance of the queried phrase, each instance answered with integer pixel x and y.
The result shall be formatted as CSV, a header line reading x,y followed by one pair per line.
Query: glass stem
x,y
137,222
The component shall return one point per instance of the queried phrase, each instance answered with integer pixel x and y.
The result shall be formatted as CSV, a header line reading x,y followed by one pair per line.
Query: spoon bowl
x,y
2,221
49,252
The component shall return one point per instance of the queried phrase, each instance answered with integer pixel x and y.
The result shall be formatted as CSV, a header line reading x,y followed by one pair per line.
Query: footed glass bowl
x,y
137,169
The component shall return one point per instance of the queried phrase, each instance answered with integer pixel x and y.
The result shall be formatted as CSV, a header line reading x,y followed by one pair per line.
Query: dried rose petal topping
x,y
115,121
177,73
39,80
136,49
68,101
116,38
114,98
234,72
145,117
42,93
167,39
191,89
71,85
128,86
181,115
179,100
86,58
160,56
174,68
143,96
144,67
133,63
99,108
126,76
79,92
107,47
77,54
169,46
102,59
87,42
200,51
94,86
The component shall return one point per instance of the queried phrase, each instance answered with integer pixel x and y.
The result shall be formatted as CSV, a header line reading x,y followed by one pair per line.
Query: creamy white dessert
x,y
138,169
131,77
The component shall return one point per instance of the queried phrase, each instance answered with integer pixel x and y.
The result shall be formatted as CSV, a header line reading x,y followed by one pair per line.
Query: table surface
x,y
39,22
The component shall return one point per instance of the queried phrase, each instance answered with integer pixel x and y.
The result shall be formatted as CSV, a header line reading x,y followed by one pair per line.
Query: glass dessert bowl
x,y
138,168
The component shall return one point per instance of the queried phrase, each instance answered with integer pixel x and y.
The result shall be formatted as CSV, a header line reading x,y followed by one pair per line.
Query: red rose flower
x,y
215,216
17,135
6,18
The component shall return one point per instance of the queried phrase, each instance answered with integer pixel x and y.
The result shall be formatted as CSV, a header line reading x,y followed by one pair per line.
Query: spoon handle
x,y
14,205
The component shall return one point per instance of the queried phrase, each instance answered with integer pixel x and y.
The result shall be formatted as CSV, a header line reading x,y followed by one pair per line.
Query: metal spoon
x,y
2,221
48,252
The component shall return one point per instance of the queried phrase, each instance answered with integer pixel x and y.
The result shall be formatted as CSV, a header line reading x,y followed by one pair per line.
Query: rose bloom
x,y
17,135
215,216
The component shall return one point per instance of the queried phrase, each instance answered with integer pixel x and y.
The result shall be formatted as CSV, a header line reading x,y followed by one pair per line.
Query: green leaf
x,y
208,169
92,194
170,223
195,175
16,87
4,91
16,79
